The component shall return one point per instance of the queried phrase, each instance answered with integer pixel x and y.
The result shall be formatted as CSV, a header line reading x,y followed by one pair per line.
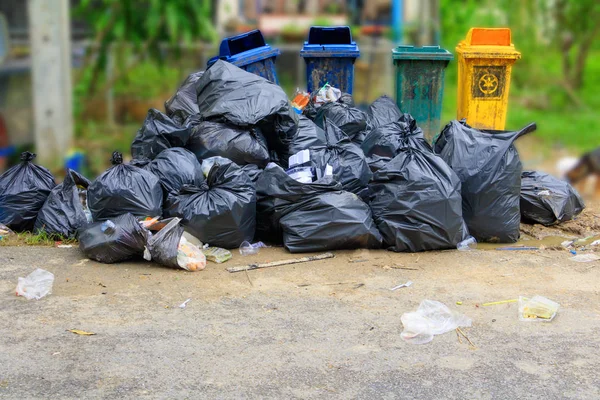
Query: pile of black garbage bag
x,y
222,164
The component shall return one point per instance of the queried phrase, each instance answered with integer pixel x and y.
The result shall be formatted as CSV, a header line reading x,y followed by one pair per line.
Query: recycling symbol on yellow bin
x,y
488,84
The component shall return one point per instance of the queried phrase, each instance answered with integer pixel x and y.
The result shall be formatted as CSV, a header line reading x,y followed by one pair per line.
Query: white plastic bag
x,y
431,318
36,285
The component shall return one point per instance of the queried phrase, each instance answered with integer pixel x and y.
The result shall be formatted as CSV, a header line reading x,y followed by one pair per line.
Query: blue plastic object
x,y
329,54
250,52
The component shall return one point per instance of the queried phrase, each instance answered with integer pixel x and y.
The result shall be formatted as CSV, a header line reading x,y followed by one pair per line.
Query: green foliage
x,y
148,81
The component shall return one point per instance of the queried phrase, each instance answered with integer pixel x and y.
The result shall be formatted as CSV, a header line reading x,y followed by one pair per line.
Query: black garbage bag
x,y
117,239
383,111
64,211
352,121
489,168
548,200
240,145
417,204
383,142
253,171
312,217
174,168
168,248
308,135
348,161
227,93
222,210
23,190
158,133
125,188
347,99
184,101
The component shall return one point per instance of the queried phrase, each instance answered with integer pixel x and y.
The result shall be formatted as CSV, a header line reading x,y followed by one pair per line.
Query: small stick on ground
x,y
466,337
248,276
458,336
250,267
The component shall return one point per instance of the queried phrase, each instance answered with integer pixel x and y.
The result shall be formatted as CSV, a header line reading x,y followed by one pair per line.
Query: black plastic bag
x,y
158,133
221,211
308,135
548,200
240,145
383,142
383,111
174,168
227,93
347,99
253,171
64,211
352,121
489,168
124,188
416,203
348,161
312,217
114,240
23,190
184,101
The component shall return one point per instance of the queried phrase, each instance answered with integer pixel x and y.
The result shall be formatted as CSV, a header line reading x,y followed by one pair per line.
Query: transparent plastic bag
x,y
538,308
35,285
431,318
217,254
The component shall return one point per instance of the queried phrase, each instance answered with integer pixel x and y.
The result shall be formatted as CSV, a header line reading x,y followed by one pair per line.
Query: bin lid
x,y
330,41
488,43
435,53
243,49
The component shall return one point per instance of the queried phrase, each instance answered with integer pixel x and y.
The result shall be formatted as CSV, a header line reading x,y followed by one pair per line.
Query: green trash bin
x,y
420,84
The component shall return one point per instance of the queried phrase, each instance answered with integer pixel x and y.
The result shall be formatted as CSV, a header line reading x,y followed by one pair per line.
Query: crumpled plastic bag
x,y
184,101
431,318
174,168
308,136
383,111
352,121
158,133
35,285
23,190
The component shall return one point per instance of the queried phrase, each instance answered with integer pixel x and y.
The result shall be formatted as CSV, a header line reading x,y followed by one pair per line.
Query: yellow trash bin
x,y
485,59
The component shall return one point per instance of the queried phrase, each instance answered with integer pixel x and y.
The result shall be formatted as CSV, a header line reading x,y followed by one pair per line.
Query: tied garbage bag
x,y
158,133
174,168
489,168
548,200
227,93
308,135
168,247
36,285
383,111
123,189
114,240
184,101
23,190
383,142
222,210
240,145
314,216
351,121
416,203
253,171
66,209
431,318
350,167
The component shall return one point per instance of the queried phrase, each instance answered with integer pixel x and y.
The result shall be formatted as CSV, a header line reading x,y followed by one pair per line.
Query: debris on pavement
x,y
538,308
80,332
184,304
216,254
431,318
407,284
35,285
250,267
493,303
585,258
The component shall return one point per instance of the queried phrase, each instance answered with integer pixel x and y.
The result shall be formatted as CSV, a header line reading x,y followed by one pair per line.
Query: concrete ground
x,y
327,329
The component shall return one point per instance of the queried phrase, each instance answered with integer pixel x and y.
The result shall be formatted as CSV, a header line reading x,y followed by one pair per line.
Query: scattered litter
x,y
573,252
35,285
568,243
357,261
458,330
216,254
594,243
80,332
585,258
248,249
5,231
431,318
182,305
327,94
537,308
493,303
168,247
469,243
459,303
64,246
407,284
516,248
250,267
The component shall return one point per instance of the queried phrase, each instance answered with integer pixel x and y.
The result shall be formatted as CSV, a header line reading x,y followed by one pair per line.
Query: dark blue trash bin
x,y
249,52
329,54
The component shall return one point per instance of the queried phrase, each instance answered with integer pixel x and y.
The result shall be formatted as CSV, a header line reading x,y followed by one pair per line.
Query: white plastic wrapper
x,y
431,318
35,285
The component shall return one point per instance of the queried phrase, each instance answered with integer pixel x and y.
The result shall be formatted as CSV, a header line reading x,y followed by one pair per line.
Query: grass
x,y
41,238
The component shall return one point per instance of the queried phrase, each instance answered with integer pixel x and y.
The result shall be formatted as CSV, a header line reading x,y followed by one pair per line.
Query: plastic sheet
x,y
431,318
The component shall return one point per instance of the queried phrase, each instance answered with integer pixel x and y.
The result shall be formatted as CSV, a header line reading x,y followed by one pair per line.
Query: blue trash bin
x,y
249,52
329,54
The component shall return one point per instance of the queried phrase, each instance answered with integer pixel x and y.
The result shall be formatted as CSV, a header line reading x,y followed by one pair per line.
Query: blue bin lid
x,y
245,48
432,53
330,41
